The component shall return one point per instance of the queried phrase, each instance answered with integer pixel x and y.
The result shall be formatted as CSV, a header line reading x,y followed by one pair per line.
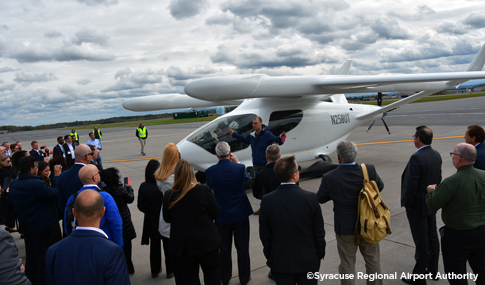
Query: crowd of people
x,y
197,223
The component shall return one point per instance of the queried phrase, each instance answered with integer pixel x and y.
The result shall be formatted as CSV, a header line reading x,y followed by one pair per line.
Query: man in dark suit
x,y
39,154
423,169
226,179
34,204
266,180
343,185
86,256
69,151
475,135
69,182
291,228
58,149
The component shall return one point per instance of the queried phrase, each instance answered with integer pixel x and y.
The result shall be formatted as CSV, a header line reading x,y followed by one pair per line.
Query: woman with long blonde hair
x,y
164,177
191,209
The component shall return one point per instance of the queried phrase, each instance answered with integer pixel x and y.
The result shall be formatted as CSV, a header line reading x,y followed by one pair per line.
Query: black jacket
x,y
150,203
265,182
291,230
423,169
192,228
124,196
34,203
342,185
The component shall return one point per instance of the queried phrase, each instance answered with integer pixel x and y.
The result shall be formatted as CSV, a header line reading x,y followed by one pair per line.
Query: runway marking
x,y
371,143
132,159
441,138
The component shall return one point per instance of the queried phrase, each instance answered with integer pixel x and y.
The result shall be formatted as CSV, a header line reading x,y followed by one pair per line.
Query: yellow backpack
x,y
373,214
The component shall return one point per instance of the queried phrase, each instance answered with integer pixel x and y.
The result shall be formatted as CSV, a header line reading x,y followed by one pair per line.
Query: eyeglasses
x,y
91,154
298,169
452,153
97,173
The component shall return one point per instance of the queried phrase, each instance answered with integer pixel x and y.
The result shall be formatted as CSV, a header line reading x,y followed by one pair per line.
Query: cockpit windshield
x,y
216,131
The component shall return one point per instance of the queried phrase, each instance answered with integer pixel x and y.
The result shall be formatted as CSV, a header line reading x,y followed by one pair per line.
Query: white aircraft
x,y
312,110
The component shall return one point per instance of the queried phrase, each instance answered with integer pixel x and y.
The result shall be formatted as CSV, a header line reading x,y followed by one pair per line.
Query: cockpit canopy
x,y
216,131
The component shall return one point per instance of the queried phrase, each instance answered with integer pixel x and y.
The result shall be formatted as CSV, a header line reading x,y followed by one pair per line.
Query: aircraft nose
x,y
198,157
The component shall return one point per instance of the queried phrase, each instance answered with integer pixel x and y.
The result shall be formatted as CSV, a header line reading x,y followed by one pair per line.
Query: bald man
x,y
72,260
69,181
111,222
461,198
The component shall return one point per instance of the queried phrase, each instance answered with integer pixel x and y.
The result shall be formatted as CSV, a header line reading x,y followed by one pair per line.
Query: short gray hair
x,y
223,149
467,151
347,151
273,152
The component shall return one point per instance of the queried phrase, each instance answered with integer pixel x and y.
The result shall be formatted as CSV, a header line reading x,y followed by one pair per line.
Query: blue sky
x,y
80,59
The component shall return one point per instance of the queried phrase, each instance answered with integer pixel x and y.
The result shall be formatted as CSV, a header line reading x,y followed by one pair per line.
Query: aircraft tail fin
x,y
478,61
344,70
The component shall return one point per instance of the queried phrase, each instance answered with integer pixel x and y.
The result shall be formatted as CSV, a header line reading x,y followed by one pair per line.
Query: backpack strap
x,y
366,178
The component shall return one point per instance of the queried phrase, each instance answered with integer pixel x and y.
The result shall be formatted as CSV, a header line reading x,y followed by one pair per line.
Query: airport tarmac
x,y
389,154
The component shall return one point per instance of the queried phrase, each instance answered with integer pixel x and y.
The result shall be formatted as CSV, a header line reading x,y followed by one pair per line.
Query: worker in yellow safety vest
x,y
75,137
142,135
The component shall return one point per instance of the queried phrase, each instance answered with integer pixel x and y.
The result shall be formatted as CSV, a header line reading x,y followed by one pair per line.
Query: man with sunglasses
x,y
343,185
461,198
423,169
69,181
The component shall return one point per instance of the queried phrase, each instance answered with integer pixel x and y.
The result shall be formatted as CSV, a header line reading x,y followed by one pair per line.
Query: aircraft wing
x,y
260,85
170,101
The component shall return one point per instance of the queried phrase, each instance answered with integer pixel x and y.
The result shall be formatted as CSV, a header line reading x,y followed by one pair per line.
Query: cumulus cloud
x,y
84,52
6,69
31,77
128,79
476,20
6,87
38,52
182,9
219,19
427,49
451,27
53,34
290,55
89,35
98,2
84,82
389,28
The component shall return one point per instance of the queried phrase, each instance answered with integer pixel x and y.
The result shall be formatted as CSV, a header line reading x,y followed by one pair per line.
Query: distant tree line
x,y
76,124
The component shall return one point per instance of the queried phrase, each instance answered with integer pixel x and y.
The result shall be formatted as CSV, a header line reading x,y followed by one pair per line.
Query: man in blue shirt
x,y
111,222
260,139
94,141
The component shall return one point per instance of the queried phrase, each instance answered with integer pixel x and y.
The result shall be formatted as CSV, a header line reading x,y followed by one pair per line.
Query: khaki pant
x,y
347,251
143,142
